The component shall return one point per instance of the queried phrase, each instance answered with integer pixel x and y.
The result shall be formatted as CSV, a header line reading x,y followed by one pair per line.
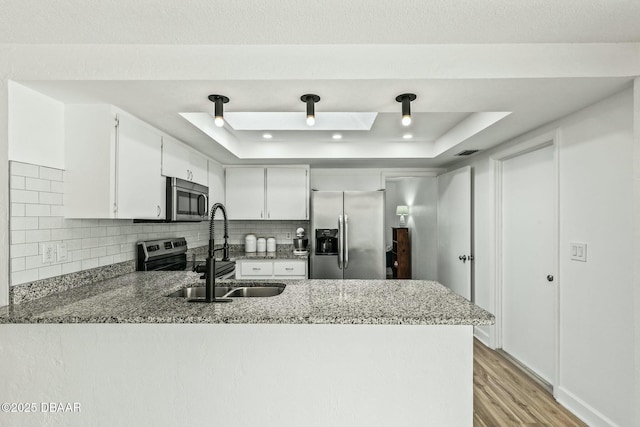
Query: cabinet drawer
x,y
296,268
256,268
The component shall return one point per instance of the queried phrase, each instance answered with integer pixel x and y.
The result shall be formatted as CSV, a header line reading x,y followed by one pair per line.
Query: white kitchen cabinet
x,y
244,193
263,269
180,161
216,183
112,165
278,193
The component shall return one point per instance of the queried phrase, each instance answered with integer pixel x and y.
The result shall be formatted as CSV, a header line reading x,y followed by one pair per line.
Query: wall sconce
x,y
401,211
310,99
406,99
218,101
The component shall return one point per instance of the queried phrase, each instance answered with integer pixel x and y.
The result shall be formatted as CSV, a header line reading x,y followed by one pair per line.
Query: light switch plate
x,y
61,252
578,251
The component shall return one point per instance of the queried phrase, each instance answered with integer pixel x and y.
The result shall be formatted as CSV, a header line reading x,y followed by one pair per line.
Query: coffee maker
x,y
326,241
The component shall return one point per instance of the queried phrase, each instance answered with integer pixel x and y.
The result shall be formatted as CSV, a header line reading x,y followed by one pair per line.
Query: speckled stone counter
x,y
140,297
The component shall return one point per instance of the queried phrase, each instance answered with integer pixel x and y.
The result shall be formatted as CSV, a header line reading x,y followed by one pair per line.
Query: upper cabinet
x,y
112,165
180,161
278,193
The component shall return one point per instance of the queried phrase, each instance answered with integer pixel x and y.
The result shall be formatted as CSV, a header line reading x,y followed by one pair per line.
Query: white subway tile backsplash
x,y
98,252
50,173
71,267
24,276
80,254
73,244
50,198
32,236
17,209
50,222
24,249
113,249
37,184
90,263
25,169
105,260
98,231
34,261
18,264
37,210
81,233
23,223
72,223
17,182
49,271
57,210
23,196
18,236
57,187
90,242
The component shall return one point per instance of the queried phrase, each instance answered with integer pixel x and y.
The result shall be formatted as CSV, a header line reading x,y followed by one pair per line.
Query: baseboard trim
x,y
482,336
582,410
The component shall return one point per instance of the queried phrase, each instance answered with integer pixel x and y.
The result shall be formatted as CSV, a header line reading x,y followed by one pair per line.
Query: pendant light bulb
x,y
310,100
218,102
311,120
406,99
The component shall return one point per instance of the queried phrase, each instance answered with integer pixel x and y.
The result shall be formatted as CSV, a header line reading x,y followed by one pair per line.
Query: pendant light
x,y
218,101
406,99
310,99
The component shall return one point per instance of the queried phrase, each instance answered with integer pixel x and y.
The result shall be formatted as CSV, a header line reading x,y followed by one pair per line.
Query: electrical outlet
x,y
288,235
61,252
48,252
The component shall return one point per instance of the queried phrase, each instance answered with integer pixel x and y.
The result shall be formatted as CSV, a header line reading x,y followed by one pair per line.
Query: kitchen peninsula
x,y
324,352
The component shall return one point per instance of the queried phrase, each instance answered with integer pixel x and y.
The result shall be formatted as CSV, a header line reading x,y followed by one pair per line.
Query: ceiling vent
x,y
467,152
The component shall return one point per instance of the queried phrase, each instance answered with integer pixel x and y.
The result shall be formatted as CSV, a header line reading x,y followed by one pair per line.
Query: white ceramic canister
x,y
271,244
250,243
262,244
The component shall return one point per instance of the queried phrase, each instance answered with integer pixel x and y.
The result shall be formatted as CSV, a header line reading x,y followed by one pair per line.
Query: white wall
x,y
36,127
596,308
346,179
4,193
390,217
421,195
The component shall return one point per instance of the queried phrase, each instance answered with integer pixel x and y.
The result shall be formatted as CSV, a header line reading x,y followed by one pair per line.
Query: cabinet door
x,y
198,167
244,193
175,159
140,186
287,193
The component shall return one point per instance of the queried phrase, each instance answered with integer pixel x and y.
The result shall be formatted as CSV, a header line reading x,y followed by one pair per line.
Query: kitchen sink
x,y
256,290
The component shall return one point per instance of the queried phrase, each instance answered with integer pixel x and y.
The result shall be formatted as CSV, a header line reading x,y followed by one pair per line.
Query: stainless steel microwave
x,y
186,200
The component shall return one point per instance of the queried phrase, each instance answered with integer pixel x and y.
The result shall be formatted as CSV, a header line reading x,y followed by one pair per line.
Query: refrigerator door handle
x,y
340,242
346,241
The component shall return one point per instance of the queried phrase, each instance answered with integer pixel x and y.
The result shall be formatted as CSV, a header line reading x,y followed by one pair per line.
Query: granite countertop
x,y
140,297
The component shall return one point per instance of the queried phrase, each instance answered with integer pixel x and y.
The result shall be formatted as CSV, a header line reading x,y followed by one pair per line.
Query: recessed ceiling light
x,y
336,136
407,136
267,136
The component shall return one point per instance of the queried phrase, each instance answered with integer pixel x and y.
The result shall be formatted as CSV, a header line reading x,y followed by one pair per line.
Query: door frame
x,y
549,139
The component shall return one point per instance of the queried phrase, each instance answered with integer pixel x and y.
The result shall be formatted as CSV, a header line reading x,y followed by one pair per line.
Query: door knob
x,y
463,258
550,278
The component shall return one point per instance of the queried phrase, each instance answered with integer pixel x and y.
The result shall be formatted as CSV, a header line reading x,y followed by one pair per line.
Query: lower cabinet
x,y
252,269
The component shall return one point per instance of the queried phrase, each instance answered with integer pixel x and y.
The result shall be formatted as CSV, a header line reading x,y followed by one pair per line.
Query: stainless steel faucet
x,y
209,269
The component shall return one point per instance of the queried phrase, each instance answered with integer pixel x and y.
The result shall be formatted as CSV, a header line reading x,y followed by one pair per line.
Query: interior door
x,y
529,260
454,231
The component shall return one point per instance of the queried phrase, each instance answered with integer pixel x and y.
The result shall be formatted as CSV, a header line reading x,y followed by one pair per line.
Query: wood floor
x,y
504,396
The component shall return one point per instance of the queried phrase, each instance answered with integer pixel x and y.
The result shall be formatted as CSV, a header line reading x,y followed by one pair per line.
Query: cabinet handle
x,y
256,268
261,214
269,214
289,268
191,175
159,211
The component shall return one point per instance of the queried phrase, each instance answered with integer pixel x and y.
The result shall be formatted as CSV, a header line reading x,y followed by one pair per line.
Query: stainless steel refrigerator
x,y
347,235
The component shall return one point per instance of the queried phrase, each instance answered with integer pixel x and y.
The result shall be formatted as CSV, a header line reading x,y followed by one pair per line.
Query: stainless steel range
x,y
170,254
